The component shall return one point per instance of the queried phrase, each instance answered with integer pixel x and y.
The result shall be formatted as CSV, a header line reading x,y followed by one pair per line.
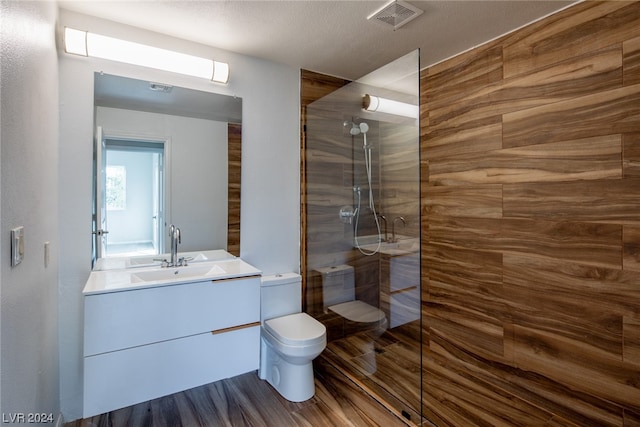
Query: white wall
x,y
29,197
270,230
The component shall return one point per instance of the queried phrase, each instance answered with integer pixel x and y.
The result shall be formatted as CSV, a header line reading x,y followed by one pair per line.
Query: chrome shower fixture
x,y
356,129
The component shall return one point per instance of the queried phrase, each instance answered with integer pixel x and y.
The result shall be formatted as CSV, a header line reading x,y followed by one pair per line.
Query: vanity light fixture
x,y
389,106
84,43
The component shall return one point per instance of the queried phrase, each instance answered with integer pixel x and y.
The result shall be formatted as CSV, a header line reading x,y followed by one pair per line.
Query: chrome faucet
x,y
174,234
386,234
393,227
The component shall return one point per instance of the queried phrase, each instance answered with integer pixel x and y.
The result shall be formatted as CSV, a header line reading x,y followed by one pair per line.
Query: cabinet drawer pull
x,y
235,328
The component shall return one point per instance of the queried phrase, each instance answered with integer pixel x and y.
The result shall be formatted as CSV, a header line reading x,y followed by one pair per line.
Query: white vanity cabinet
x,y
140,344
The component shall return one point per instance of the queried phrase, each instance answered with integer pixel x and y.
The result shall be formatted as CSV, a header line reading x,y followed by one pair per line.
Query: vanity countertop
x,y
106,281
117,262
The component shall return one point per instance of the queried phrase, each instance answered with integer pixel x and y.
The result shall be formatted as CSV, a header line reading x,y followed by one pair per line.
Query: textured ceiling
x,y
332,37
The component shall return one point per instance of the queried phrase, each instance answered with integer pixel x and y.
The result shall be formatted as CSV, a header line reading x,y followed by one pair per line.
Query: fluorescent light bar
x,y
389,106
220,72
104,47
75,41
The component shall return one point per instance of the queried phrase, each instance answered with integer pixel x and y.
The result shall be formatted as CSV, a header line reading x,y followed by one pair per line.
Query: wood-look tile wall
x,y
235,156
530,152
313,86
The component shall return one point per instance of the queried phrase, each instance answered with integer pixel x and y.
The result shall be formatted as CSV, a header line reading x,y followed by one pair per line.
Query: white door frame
x,y
103,135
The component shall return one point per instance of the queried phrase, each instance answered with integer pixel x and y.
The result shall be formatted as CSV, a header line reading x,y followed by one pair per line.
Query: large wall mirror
x,y
164,155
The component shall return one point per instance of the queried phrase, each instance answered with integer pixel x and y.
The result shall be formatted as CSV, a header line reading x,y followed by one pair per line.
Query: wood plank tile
x,y
572,287
315,85
631,155
631,61
247,401
462,137
571,77
631,335
581,159
452,80
604,201
592,244
558,421
464,302
592,72
631,248
234,184
557,270
539,390
396,367
579,302
577,365
348,401
480,201
467,327
456,397
631,418
602,113
591,26
465,277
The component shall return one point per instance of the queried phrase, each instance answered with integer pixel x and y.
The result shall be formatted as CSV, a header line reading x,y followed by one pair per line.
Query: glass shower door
x,y
362,230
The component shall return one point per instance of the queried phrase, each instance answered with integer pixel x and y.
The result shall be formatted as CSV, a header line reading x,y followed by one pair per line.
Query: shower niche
x,y
361,226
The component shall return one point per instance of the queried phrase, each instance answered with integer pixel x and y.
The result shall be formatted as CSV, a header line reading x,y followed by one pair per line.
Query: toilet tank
x,y
338,284
280,294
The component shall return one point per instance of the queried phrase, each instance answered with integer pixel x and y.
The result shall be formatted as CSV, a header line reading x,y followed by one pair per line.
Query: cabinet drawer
x,y
404,307
404,272
120,320
122,378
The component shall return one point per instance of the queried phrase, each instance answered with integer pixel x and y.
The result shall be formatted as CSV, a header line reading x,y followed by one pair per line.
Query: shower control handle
x,y
347,213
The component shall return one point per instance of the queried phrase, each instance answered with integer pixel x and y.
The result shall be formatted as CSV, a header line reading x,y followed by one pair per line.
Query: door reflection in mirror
x,y
134,197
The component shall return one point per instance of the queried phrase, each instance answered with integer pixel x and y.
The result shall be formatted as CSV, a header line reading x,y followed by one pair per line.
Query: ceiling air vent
x,y
397,13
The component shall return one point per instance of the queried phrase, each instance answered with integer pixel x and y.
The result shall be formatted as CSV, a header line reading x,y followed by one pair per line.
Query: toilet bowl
x,y
289,339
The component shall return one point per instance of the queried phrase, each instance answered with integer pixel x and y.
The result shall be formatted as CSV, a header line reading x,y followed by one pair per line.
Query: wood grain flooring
x,y
246,400
386,365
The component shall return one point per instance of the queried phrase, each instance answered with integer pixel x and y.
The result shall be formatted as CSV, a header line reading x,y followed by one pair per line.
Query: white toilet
x,y
289,339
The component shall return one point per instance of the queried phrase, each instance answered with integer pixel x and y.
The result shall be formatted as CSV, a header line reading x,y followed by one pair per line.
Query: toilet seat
x,y
358,311
298,330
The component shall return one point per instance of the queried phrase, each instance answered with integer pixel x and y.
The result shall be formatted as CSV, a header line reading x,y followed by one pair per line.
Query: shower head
x,y
356,129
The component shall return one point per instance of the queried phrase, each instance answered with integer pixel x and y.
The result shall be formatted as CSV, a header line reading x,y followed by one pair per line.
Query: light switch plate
x,y
17,245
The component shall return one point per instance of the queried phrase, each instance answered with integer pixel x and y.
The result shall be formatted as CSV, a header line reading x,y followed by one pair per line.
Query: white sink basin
x,y
151,260
409,245
404,245
178,273
145,261
157,259
125,279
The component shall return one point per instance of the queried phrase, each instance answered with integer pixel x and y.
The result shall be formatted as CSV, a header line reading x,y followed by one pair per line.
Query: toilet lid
x,y
296,329
358,311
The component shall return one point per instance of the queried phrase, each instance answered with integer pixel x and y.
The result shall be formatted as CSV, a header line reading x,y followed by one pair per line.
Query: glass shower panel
x,y
362,230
